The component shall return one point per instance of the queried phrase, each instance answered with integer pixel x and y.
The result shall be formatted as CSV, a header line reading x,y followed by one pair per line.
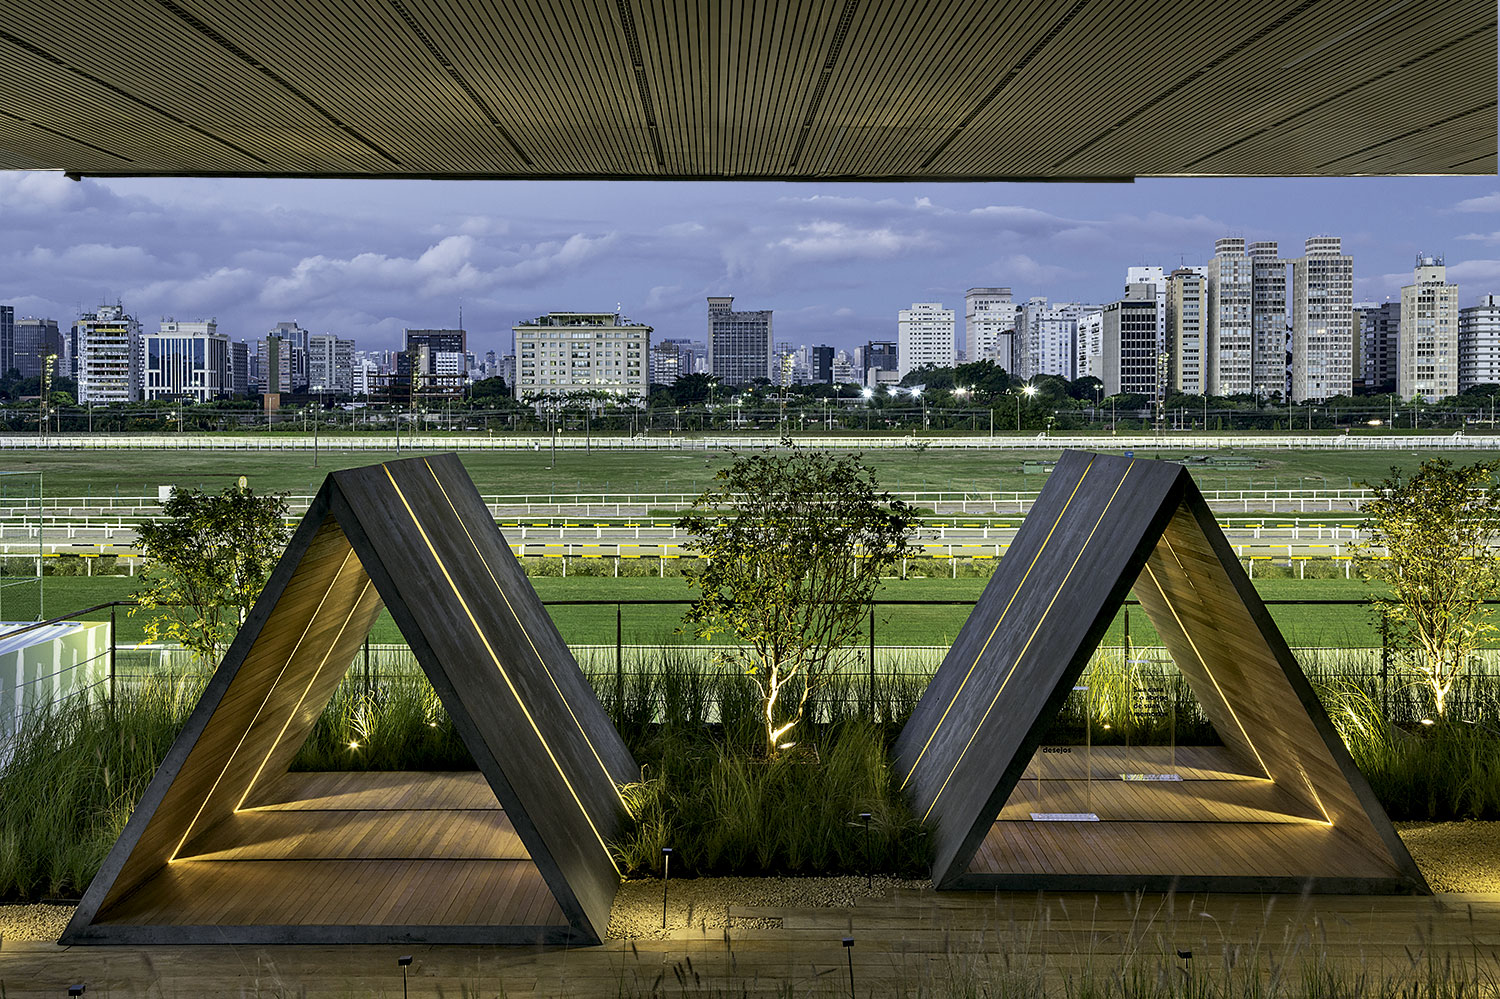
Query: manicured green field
x,y
139,473
936,624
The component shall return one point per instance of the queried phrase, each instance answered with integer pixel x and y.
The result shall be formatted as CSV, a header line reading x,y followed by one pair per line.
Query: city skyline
x,y
835,262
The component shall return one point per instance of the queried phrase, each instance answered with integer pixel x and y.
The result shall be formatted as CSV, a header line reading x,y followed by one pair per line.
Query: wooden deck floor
x,y
1219,821
906,943
352,850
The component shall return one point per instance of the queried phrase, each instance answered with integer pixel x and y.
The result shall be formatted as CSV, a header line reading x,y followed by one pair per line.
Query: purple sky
x,y
835,261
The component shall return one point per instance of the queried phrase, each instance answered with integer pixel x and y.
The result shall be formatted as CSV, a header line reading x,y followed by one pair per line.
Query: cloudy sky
x,y
368,258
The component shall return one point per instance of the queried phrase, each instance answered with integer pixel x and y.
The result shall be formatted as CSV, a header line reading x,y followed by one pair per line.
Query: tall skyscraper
x,y
239,368
271,369
1228,346
739,344
107,345
990,325
1479,344
7,339
35,341
330,364
186,360
1156,278
1376,328
1189,318
925,334
566,352
296,357
1427,344
1323,321
1131,354
1268,321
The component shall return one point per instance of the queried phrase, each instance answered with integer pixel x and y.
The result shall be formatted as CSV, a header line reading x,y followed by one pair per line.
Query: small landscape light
x,y
76,990
1427,721
353,745
849,950
869,866
666,873
403,962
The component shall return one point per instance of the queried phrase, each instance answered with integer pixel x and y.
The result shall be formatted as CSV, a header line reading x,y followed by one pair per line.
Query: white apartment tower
x,y
1479,344
990,326
186,360
1268,325
1427,352
566,352
107,349
925,334
1049,343
1091,345
1323,321
1228,345
1189,319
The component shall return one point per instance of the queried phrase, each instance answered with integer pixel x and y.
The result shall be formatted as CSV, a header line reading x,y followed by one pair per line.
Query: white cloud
x,y
1483,203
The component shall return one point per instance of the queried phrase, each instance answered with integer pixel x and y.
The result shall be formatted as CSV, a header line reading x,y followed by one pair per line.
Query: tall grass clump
x,y
75,774
396,723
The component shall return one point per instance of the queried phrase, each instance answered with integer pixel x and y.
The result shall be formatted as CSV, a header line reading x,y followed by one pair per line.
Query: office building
x,y
1479,344
1427,344
666,361
186,360
1189,319
820,364
1323,322
1132,361
330,364
1376,331
739,344
567,352
925,336
1227,347
296,357
878,356
990,326
107,345
239,368
845,370
35,340
271,368
7,339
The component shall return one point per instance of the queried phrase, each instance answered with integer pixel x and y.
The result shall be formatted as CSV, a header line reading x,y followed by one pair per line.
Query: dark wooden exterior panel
x,y
1102,525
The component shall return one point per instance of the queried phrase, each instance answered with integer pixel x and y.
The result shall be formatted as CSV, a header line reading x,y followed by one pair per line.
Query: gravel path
x,y
33,922
703,904
1455,856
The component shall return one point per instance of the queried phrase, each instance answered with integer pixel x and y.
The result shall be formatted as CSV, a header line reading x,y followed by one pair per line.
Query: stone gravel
x,y
1455,856
33,922
705,904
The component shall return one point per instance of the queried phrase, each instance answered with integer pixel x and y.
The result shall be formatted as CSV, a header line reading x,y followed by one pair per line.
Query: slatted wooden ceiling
x,y
821,89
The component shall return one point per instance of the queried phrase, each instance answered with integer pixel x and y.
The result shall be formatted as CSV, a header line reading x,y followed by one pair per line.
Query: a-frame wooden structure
x,y
1280,806
226,846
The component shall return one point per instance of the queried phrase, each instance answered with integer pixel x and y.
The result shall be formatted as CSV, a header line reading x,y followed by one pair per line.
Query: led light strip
x,y
522,625
269,691
500,667
998,621
291,715
1022,654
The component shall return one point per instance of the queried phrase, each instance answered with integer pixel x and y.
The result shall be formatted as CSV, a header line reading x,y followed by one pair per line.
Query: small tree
x,y
795,545
1429,537
209,557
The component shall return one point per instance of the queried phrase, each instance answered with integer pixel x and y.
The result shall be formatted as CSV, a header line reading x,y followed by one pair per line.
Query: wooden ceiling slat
x,y
550,87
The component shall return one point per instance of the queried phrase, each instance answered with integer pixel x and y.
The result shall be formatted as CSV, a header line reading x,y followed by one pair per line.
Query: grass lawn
x,y
1350,625
126,473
